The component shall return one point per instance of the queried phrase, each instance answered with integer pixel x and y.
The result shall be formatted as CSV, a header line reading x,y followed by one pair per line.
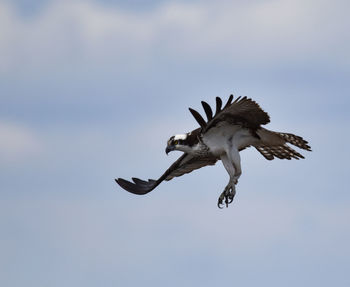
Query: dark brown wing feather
x,y
198,118
208,110
190,165
242,111
184,164
218,105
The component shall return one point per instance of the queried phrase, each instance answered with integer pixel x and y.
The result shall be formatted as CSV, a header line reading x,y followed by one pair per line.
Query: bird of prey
x,y
232,128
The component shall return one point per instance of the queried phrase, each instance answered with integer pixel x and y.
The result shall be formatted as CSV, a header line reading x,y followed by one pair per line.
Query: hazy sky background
x,y
91,90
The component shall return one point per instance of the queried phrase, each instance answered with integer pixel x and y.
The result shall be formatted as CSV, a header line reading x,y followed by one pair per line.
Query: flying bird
x,y
232,128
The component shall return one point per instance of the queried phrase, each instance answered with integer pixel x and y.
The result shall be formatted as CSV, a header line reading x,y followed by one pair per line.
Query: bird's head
x,y
178,142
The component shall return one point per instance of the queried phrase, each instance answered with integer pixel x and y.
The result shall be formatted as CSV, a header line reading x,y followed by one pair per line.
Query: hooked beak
x,y
169,149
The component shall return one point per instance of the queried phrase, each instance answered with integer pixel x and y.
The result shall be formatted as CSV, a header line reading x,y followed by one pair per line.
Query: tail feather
x,y
295,140
281,152
273,144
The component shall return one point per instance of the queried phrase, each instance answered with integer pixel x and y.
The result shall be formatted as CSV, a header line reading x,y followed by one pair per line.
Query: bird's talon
x,y
220,204
228,195
220,201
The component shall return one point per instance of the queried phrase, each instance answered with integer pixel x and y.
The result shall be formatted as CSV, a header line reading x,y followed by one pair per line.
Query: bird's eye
x,y
176,142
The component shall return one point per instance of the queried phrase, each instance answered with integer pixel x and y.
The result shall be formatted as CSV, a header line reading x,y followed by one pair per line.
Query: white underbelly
x,y
220,139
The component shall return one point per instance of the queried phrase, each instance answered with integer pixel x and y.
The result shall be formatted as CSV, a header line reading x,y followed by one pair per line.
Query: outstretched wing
x,y
191,164
184,164
242,111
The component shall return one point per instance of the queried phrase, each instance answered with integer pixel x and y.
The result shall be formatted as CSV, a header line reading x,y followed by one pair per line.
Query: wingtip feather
x,y
139,186
218,105
208,110
229,101
198,117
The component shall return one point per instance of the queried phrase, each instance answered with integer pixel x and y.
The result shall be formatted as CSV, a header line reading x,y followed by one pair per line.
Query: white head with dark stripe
x,y
182,142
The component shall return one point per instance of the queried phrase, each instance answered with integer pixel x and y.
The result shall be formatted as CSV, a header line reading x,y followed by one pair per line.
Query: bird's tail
x,y
273,144
295,140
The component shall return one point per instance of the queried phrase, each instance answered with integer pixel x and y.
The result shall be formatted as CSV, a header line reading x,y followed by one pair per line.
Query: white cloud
x,y
249,32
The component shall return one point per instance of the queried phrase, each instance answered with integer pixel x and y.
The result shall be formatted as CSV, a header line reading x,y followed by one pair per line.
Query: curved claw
x,y
230,199
220,204
228,194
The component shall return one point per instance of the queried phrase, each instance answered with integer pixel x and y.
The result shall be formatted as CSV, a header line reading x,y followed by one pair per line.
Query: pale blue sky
x,y
91,90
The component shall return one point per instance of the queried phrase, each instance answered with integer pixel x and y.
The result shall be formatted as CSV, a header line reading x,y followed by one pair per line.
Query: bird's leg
x,y
228,194
232,163
235,159
230,190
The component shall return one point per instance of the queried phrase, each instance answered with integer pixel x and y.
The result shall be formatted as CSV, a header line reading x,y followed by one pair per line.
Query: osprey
x,y
222,136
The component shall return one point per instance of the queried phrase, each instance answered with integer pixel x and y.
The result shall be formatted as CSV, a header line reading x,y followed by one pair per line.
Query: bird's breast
x,y
220,139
